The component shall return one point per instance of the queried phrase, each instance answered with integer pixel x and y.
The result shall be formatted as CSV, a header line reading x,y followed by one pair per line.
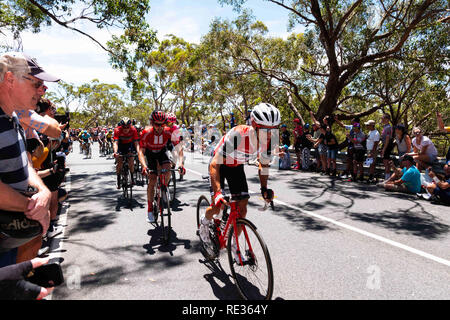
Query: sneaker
x,y
204,230
43,251
150,217
53,232
235,254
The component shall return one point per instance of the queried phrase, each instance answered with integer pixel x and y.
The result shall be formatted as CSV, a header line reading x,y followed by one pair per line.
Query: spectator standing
x,y
248,121
359,152
387,144
21,85
298,133
285,136
373,139
319,143
232,120
425,152
306,146
332,148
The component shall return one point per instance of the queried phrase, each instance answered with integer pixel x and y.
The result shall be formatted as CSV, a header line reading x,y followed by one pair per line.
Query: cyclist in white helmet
x,y
230,155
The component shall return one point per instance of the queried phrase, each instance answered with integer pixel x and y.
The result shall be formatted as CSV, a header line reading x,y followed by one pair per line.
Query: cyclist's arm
x,y
214,171
141,157
116,146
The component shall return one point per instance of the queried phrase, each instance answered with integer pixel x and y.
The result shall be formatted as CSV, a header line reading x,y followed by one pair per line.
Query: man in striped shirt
x,y
21,86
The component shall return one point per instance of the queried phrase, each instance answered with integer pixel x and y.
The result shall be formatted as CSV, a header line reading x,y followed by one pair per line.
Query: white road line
x,y
360,231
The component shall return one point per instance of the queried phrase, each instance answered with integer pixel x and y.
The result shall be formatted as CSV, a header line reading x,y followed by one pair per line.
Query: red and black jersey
x,y
151,141
123,138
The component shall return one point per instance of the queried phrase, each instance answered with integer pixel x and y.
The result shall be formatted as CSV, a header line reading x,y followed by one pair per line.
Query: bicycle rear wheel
x,y
165,213
254,278
125,183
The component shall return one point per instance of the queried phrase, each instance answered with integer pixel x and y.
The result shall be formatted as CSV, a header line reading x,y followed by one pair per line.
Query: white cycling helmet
x,y
265,114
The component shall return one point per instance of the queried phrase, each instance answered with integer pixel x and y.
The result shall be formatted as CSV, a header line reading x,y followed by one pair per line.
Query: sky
x,y
77,60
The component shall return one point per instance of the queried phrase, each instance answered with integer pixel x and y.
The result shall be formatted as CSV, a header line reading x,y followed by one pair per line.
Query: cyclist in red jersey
x,y
153,153
177,152
230,155
125,138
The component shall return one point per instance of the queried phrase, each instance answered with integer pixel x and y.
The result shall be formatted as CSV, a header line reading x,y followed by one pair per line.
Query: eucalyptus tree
x,y
341,39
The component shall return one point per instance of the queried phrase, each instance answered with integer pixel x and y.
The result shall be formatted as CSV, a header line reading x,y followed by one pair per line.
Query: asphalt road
x,y
327,240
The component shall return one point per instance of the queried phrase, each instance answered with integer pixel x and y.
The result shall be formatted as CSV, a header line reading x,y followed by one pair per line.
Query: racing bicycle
x,y
252,271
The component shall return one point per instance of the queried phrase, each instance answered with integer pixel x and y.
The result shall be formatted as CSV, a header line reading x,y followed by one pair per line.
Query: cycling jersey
x,y
124,138
153,142
85,137
240,144
175,135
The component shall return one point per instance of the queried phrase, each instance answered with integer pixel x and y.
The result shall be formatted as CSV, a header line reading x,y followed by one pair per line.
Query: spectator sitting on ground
x,y
425,152
440,188
285,158
402,140
404,180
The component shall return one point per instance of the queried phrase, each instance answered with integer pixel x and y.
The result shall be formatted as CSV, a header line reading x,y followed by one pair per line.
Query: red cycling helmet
x,y
158,116
171,117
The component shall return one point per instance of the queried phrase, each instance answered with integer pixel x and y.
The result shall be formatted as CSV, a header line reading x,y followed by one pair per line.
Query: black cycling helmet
x,y
16,229
159,116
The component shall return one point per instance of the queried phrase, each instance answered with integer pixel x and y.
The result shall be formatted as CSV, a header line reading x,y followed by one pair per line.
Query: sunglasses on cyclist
x,y
36,84
156,124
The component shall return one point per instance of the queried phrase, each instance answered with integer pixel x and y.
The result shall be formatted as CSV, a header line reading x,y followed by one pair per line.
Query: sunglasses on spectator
x,y
417,133
36,84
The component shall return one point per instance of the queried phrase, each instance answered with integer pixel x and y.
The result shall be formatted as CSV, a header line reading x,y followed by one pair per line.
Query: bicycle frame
x,y
232,220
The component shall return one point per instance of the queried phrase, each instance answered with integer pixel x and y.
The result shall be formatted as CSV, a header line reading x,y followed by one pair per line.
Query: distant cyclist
x,y
85,138
125,142
176,138
229,157
153,153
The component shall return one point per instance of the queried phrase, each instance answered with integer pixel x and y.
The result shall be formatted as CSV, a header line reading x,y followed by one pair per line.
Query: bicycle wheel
x,y
124,182
254,278
202,205
165,215
172,186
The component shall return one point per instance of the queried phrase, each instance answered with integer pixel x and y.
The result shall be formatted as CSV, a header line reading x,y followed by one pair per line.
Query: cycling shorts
x,y
153,158
236,180
125,148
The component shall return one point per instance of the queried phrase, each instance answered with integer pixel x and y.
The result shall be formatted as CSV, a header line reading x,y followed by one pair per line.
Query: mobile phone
x,y
47,276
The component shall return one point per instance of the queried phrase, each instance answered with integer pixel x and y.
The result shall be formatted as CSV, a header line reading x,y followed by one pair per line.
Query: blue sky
x,y
78,60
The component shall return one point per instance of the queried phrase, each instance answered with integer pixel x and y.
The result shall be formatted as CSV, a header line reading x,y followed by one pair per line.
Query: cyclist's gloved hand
x,y
267,193
219,200
182,171
145,171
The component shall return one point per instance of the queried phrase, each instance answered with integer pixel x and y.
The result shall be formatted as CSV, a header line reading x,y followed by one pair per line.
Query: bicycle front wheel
x,y
165,216
172,186
202,205
253,277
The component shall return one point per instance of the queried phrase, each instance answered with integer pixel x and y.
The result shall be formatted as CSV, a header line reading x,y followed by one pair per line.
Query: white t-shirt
x,y
373,137
431,150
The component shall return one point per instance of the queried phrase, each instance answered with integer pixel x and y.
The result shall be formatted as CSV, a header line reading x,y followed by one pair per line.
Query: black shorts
x,y
236,180
359,155
153,158
125,148
387,153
